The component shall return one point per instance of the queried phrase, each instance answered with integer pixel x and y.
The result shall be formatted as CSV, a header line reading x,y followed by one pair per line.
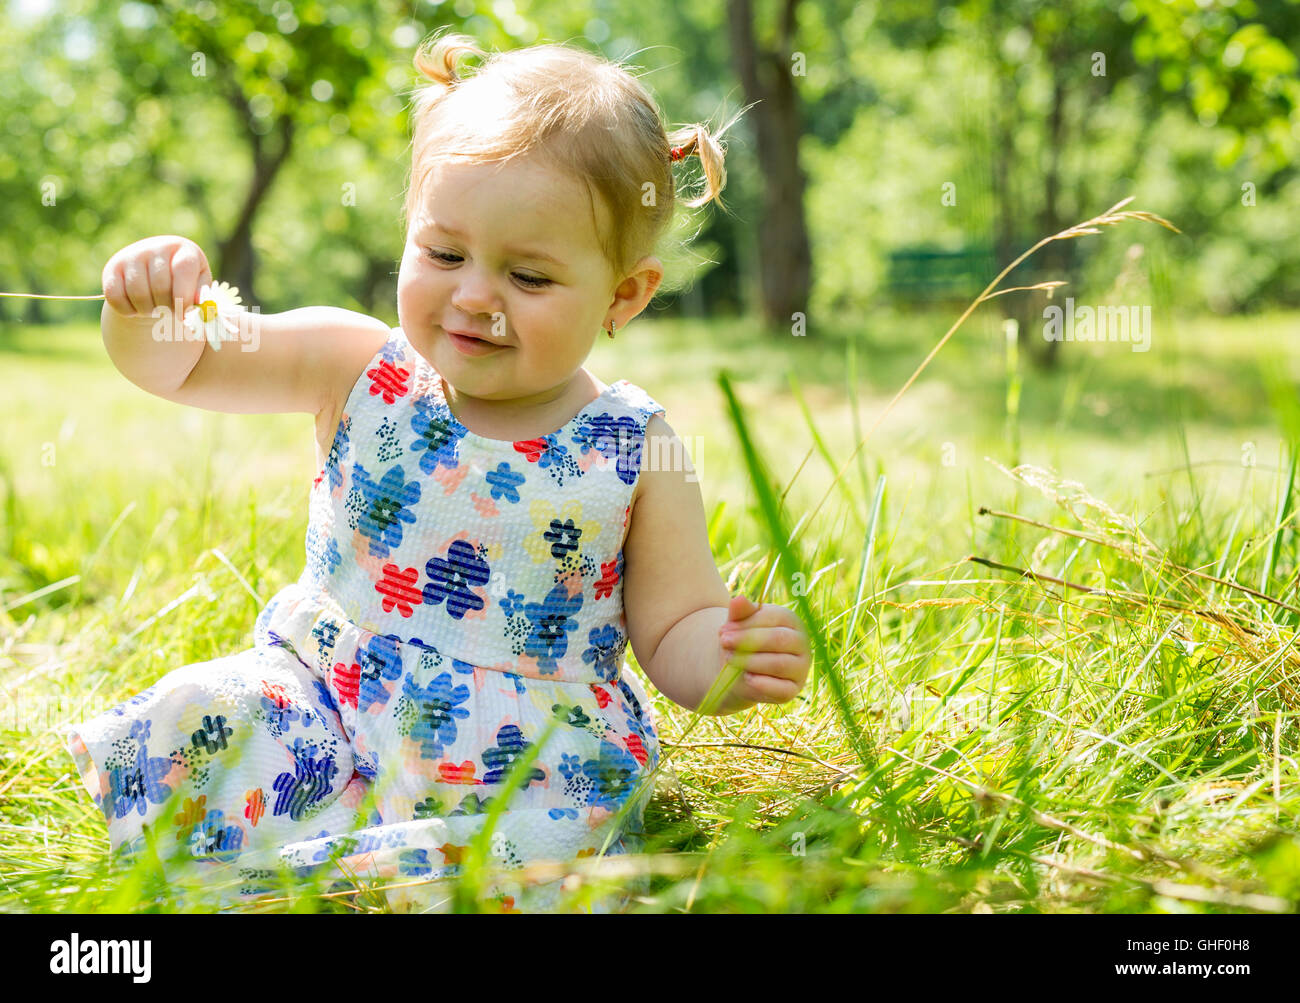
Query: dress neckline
x,y
462,430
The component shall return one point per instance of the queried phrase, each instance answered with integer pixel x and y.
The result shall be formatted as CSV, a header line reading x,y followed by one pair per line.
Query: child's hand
x,y
155,272
770,642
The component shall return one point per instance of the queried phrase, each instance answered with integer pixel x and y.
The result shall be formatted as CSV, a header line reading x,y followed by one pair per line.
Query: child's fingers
x,y
135,277
159,265
769,689
766,639
187,269
790,667
740,607
115,291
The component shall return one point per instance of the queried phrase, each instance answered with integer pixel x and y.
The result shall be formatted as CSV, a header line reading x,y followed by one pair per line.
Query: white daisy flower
x,y
215,317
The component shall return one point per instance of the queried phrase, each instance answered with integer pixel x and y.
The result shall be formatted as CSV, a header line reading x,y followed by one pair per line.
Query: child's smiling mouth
x,y
467,345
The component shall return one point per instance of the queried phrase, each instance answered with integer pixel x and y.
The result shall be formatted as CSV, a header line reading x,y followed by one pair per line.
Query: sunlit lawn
x,y
1125,752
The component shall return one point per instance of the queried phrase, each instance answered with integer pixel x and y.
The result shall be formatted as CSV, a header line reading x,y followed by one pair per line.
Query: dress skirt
x,y
328,749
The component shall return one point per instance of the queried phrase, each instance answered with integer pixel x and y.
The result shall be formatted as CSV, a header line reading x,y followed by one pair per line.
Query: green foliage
x,y
1033,748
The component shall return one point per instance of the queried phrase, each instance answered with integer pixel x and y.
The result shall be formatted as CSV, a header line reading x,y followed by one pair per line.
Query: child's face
x,y
487,278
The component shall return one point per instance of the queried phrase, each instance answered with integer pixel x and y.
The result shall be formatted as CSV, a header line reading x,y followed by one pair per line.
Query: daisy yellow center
x,y
208,309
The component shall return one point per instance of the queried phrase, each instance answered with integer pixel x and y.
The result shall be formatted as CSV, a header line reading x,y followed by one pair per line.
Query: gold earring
x,y
610,332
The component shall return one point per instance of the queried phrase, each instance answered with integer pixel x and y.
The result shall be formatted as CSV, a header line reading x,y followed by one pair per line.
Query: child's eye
x,y
530,280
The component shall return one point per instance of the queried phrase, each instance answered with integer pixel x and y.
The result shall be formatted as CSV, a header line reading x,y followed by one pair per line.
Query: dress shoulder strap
x,y
636,399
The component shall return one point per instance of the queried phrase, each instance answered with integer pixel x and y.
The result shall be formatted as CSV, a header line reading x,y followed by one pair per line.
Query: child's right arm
x,y
300,354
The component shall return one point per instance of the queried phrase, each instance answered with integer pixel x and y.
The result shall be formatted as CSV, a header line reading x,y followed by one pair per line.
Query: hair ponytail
x,y
696,139
436,59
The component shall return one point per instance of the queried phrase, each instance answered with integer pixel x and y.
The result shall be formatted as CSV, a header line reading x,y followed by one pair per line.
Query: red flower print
x,y
602,697
347,679
451,853
635,747
318,477
397,588
275,693
453,774
388,380
608,579
255,806
532,448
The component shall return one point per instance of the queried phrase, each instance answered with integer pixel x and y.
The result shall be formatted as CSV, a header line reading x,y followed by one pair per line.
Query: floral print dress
x,y
461,595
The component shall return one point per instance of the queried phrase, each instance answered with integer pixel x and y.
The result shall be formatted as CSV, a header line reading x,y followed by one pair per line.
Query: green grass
x,y
972,740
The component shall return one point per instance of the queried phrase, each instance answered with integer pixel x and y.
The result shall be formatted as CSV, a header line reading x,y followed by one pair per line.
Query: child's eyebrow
x,y
523,252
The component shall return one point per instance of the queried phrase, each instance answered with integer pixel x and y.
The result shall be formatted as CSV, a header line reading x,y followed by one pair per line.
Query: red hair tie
x,y
677,153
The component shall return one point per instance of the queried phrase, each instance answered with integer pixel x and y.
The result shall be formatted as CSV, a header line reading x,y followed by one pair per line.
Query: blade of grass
x,y
779,540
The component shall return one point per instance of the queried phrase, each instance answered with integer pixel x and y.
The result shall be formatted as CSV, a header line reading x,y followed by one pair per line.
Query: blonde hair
x,y
586,116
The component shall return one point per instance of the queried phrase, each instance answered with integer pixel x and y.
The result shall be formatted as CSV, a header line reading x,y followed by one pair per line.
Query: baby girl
x,y
484,538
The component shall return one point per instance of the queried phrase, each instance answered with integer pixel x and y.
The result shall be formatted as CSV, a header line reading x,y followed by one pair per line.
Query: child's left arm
x,y
682,624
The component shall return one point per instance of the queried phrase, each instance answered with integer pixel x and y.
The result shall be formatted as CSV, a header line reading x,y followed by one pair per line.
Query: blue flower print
x,y
323,553
136,784
414,863
332,555
326,633
309,782
550,455
369,842
505,483
439,442
212,736
213,839
437,709
280,713
569,765
392,352
613,776
500,759
337,448
379,660
333,847
563,538
603,652
452,579
513,603
630,697
385,506
615,438
553,452
637,722
551,622
325,697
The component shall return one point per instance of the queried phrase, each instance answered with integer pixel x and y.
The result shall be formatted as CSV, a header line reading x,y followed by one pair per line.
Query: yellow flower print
x,y
190,814
558,534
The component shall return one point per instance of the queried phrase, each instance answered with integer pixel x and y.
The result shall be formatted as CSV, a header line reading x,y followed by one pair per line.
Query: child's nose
x,y
474,294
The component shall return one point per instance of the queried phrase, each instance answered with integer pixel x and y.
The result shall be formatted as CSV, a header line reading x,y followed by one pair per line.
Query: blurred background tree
x,y
899,152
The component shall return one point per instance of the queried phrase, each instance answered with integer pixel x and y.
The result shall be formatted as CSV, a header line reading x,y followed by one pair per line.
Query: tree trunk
x,y
784,255
1055,258
235,254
